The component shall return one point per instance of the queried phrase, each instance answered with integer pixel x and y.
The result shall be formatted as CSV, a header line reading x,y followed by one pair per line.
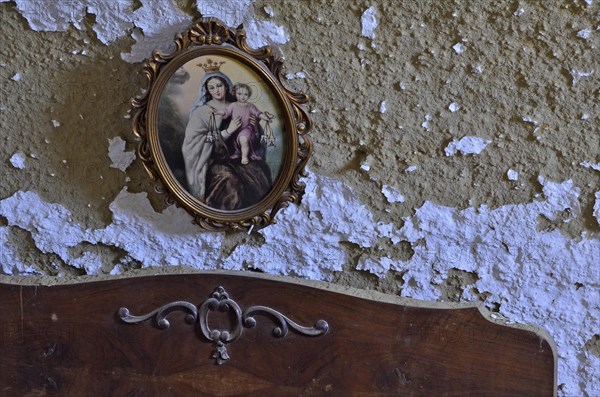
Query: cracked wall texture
x,y
457,153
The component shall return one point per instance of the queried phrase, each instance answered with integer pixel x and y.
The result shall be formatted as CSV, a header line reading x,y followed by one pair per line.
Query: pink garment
x,y
244,111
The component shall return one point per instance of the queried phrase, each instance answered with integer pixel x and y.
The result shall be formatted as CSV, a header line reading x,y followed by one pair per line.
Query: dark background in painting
x,y
171,131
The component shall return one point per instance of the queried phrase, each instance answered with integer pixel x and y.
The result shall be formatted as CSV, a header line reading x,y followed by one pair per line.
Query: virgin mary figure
x,y
212,176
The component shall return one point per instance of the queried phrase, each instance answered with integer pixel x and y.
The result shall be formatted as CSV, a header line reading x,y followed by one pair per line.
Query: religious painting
x,y
220,132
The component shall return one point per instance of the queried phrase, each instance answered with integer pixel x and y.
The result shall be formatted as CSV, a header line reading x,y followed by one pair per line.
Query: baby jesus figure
x,y
246,139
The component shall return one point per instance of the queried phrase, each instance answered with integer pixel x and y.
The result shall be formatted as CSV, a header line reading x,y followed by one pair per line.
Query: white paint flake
x,y
90,262
585,116
10,261
459,48
301,237
520,11
116,270
379,267
425,124
113,19
55,123
234,13
17,77
467,145
51,16
230,12
512,175
410,169
392,194
382,107
584,34
331,213
49,223
174,239
152,25
364,166
156,24
297,75
261,33
119,157
531,276
370,21
596,210
589,164
529,119
454,107
17,160
269,11
577,75
478,69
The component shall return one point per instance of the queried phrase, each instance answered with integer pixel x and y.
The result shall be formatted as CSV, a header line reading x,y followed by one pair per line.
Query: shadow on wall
x,y
81,100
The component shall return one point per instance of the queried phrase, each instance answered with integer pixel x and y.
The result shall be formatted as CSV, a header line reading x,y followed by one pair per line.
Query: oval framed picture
x,y
220,133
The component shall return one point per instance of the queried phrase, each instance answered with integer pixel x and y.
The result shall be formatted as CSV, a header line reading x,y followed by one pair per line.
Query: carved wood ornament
x,y
220,301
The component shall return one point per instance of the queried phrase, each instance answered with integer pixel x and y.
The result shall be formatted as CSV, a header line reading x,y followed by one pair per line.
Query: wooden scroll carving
x,y
72,340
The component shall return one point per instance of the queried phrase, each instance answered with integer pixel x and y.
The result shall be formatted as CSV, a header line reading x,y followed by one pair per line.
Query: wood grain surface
x,y
70,341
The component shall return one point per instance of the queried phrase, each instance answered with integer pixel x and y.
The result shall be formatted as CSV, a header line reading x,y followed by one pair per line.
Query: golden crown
x,y
211,66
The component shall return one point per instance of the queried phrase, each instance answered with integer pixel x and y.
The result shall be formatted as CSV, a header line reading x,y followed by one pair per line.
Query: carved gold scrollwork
x,y
209,31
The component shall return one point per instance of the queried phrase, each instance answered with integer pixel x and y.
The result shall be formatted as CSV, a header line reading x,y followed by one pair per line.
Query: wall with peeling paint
x,y
457,153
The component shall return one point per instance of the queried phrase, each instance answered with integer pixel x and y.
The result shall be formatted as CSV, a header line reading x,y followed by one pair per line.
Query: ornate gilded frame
x,y
209,36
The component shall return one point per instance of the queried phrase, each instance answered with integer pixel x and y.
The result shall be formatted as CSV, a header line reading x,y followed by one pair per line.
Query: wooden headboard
x,y
230,334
